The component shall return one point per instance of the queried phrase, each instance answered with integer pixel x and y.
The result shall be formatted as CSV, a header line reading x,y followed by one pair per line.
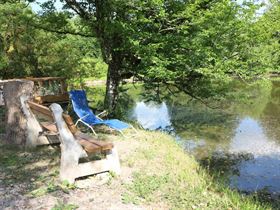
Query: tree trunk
x,y
112,83
15,120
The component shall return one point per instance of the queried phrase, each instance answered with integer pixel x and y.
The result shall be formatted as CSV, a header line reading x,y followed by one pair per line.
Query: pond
x,y
240,138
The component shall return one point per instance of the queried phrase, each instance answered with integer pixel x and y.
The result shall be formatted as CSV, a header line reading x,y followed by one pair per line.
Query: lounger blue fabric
x,y
80,106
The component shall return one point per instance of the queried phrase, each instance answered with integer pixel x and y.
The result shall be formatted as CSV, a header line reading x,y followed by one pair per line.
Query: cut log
x,y
15,121
33,128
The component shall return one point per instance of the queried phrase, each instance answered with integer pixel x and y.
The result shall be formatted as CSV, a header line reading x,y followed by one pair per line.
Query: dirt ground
x,y
94,192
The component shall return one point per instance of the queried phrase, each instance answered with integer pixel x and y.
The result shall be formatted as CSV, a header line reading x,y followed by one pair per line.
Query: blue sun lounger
x,y
87,117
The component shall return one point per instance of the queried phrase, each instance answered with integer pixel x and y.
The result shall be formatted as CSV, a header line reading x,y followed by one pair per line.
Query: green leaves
x,y
182,43
32,45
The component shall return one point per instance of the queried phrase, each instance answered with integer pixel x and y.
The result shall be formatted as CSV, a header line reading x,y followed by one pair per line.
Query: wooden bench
x,y
75,145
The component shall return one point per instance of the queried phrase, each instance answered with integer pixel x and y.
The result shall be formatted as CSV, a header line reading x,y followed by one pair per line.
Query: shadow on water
x,y
239,144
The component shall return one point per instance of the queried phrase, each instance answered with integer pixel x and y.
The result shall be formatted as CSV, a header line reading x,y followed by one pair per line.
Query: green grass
x,y
38,170
169,175
63,206
162,172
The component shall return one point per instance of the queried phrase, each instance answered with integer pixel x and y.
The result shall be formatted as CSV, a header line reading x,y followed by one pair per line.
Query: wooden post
x,y
15,120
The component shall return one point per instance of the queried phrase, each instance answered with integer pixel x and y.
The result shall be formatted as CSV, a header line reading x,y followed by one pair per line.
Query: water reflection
x,y
250,138
243,140
263,171
152,116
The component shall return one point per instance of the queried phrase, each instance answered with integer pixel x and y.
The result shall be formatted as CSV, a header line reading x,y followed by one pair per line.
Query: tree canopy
x,y
190,46
31,47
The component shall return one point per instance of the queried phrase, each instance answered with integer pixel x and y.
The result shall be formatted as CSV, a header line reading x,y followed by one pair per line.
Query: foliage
x,y
16,49
181,44
29,48
194,46
202,45
268,27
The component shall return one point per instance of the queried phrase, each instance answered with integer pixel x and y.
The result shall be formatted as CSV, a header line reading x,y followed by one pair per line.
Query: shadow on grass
x,y
223,166
35,171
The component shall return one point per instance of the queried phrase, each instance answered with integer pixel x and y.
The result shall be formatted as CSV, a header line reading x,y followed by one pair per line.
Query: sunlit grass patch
x,y
144,187
166,173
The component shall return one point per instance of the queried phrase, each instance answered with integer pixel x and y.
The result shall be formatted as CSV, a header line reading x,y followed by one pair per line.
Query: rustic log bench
x,y
75,145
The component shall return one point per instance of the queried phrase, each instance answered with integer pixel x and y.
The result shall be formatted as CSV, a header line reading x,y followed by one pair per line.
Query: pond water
x,y
241,139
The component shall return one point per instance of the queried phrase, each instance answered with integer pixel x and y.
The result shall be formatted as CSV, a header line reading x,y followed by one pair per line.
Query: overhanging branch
x,y
191,95
63,32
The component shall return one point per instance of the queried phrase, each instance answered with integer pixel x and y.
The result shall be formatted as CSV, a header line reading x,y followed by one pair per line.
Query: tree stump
x,y
15,119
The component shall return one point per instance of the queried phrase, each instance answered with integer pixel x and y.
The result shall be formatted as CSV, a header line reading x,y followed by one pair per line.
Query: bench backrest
x,y
46,112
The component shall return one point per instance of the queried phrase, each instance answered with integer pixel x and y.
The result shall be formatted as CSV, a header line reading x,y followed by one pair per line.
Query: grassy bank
x,y
165,173
156,174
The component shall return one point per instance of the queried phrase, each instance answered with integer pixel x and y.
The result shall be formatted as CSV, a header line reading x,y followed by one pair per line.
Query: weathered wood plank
x,y
48,114
63,86
33,137
103,145
88,146
39,108
52,98
72,150
70,123
49,127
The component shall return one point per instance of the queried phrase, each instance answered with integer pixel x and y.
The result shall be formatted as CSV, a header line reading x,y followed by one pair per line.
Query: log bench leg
x,y
113,161
70,169
68,165
72,151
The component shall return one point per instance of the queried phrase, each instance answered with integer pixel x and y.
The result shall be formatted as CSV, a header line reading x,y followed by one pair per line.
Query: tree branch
x,y
62,32
74,5
192,95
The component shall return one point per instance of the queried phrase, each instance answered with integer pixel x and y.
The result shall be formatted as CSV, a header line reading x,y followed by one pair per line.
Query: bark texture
x,y
15,120
112,84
